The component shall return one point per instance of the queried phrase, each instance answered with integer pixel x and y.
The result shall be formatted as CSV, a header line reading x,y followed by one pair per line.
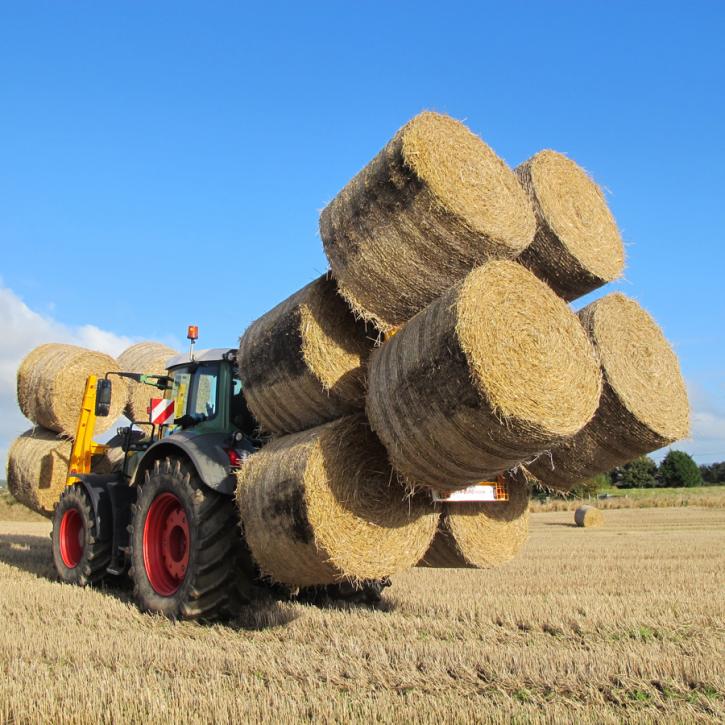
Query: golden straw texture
x,y
494,371
644,402
302,363
577,246
482,535
51,382
433,204
37,469
324,505
587,516
149,358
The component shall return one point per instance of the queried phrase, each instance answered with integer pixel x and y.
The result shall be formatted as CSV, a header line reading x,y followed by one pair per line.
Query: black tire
x,y
209,587
85,564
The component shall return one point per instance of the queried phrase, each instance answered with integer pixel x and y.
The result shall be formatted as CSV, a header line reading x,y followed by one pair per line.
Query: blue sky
x,y
165,163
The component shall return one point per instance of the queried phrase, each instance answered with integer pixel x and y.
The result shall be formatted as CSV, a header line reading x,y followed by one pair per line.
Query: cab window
x,y
205,392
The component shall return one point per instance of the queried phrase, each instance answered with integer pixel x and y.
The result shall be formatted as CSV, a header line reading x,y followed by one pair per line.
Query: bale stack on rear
x,y
143,357
433,204
302,363
51,383
37,469
494,371
482,535
324,506
644,403
577,246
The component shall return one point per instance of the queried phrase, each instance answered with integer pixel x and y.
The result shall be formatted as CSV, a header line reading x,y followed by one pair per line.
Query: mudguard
x,y
205,451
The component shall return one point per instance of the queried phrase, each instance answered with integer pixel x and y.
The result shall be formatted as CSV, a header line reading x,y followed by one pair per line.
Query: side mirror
x,y
103,398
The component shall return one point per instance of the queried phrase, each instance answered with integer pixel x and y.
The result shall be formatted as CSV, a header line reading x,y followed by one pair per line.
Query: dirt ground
x,y
586,625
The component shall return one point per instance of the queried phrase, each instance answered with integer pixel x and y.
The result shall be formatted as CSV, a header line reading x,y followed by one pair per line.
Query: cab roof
x,y
215,354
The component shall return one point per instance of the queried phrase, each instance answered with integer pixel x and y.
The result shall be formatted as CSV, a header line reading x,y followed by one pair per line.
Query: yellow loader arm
x,y
84,448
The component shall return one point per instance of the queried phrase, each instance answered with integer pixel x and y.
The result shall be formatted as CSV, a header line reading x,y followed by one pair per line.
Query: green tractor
x,y
167,517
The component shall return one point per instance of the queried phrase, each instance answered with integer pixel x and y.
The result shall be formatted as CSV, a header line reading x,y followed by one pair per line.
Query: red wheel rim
x,y
72,538
166,544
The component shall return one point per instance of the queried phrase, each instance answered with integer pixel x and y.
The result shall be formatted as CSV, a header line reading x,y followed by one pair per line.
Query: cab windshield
x,y
195,391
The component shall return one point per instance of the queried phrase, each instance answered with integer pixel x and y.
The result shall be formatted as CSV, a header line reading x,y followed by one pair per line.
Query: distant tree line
x,y
677,469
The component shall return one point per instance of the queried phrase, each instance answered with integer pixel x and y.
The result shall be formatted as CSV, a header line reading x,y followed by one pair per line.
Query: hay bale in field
x,y
433,204
588,516
143,357
644,402
481,535
324,505
51,382
577,246
301,364
494,371
37,469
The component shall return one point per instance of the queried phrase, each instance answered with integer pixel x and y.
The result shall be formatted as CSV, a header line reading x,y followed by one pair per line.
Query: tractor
x,y
166,516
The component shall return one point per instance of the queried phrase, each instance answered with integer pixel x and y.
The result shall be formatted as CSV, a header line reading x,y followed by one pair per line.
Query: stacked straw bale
x,y
302,363
143,357
323,506
37,469
587,516
482,535
433,204
644,402
494,371
51,382
577,246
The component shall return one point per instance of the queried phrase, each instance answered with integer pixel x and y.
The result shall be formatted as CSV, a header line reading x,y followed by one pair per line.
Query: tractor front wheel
x,y
184,545
78,556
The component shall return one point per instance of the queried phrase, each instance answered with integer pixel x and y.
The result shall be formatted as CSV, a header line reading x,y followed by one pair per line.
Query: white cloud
x,y
22,329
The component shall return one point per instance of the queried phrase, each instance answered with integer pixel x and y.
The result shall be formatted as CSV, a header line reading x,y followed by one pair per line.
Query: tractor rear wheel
x,y
184,545
78,556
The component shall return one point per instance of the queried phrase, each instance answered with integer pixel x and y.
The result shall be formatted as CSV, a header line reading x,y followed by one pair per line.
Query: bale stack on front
x,y
464,267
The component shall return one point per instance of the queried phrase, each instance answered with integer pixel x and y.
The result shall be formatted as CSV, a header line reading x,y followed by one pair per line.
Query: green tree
x,y
591,486
713,473
639,473
679,469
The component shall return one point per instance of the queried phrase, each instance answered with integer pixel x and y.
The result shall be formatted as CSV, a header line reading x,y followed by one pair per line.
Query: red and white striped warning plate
x,y
161,410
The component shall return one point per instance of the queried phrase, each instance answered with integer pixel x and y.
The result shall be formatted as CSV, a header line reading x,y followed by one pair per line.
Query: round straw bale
x,y
433,204
37,469
482,535
324,505
495,370
587,516
644,402
143,357
577,246
51,383
301,364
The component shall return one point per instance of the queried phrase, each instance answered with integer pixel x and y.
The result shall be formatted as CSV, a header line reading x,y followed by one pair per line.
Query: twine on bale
x,y
302,363
644,403
323,506
482,535
495,370
51,383
588,516
433,204
38,468
577,246
143,357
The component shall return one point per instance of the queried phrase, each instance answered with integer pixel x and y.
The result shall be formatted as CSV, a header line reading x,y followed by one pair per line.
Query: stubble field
x,y
597,625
